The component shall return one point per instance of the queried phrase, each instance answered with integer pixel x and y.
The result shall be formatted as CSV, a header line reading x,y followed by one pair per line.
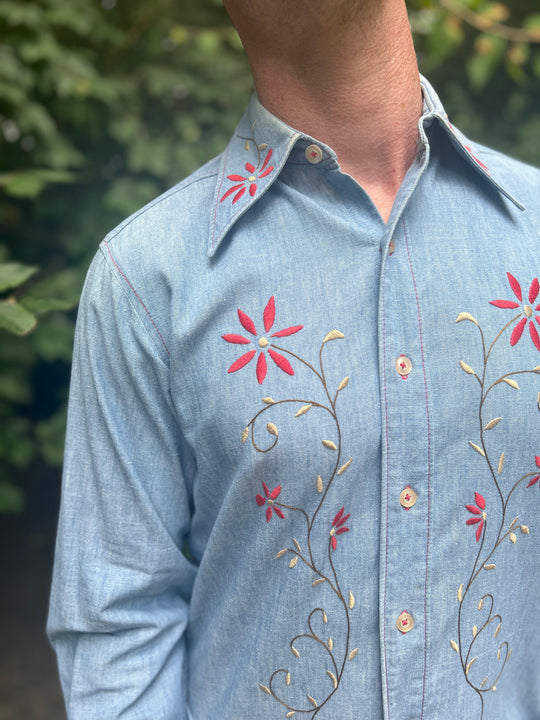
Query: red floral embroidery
x,y
337,527
527,309
536,478
241,183
269,500
480,516
247,323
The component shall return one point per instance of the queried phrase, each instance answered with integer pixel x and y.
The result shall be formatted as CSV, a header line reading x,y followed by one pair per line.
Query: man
x,y
316,361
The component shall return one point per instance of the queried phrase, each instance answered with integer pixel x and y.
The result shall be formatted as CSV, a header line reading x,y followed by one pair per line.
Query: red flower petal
x,y
279,513
473,509
534,290
342,530
534,481
269,314
266,172
534,335
516,287
266,490
537,460
338,517
518,332
288,331
236,178
473,521
238,195
343,520
267,159
268,514
236,339
334,542
252,189
247,322
230,191
275,492
281,362
261,368
480,501
505,304
260,500
250,168
479,531
238,364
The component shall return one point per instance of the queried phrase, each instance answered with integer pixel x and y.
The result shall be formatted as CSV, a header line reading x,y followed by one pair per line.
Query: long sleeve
x,y
121,585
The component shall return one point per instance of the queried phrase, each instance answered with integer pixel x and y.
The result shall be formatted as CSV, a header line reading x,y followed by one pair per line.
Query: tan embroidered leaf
x,y
333,335
481,603
499,654
265,689
537,370
332,677
460,593
491,566
297,546
329,444
494,688
474,631
303,410
324,617
245,435
272,429
318,581
466,316
288,678
330,643
484,681
493,423
467,368
344,467
246,145
263,146
501,464
513,538
469,665
352,600
281,553
312,701
343,384
524,529
477,448
295,651
290,714
269,401
512,383
293,562
497,630
353,654
320,486
514,521
454,645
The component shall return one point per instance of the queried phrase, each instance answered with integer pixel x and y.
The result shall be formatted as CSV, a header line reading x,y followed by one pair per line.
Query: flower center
x,y
252,178
484,516
528,311
332,532
263,342
270,501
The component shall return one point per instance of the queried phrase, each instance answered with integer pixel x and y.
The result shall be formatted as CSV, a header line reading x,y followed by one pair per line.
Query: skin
x,y
344,72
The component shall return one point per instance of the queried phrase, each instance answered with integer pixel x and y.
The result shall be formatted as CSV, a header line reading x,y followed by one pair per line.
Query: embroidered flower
x,y
337,527
269,500
478,511
527,309
536,478
242,184
247,323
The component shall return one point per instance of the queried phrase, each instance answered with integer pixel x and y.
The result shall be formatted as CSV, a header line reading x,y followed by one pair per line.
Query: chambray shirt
x,y
303,454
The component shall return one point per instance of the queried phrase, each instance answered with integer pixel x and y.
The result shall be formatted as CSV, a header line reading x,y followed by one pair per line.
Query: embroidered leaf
x,y
290,714
474,631
537,370
460,593
481,603
453,643
477,448
272,429
498,630
513,538
484,681
268,401
493,423
499,654
288,678
297,546
344,467
466,316
333,335
265,689
318,581
245,435
524,529
514,521
303,410
332,678
512,383
324,617
352,600
469,665
501,464
491,566
494,688
312,701
330,643
246,145
295,651
466,368
263,146
293,562
353,654
329,444
343,384
319,484
281,553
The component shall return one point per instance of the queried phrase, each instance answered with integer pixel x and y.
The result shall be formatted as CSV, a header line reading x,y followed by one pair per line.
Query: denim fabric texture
x,y
340,418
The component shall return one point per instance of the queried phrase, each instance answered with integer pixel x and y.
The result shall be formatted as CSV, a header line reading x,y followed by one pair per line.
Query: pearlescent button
x,y
405,622
314,154
408,498
403,366
392,247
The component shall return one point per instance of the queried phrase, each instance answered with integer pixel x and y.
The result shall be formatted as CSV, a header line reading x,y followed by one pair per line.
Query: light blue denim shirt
x,y
340,419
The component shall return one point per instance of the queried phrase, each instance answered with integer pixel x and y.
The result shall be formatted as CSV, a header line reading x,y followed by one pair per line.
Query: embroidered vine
x,y
479,512
319,560
254,172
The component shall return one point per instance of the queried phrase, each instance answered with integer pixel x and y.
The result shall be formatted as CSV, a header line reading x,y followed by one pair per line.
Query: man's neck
x,y
358,92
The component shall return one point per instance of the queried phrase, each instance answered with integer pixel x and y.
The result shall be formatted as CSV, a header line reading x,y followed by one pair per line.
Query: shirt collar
x,y
262,144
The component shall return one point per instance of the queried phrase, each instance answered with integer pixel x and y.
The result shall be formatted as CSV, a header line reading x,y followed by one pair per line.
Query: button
x,y
392,247
408,498
403,366
314,154
405,622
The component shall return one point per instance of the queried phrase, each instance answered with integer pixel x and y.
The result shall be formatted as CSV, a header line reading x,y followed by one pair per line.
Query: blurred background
x,y
104,104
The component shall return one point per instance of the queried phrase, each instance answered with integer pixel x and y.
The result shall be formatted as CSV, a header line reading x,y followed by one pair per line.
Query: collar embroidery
x,y
255,173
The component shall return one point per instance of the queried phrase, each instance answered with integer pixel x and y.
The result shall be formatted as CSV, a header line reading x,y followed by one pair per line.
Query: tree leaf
x,y
14,274
15,318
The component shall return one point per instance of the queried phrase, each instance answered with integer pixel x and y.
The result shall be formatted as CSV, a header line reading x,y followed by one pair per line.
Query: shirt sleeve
x,y
121,584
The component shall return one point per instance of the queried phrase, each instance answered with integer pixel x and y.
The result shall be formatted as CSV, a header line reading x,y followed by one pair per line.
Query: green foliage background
x,y
103,105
